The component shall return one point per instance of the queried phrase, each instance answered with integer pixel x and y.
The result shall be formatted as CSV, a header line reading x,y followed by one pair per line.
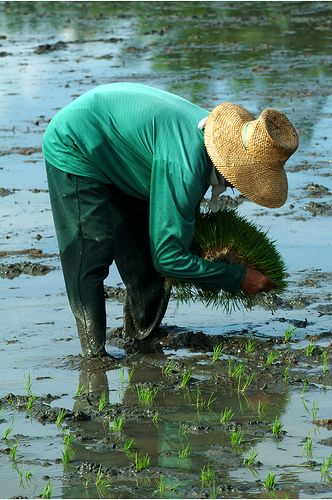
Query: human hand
x,y
255,282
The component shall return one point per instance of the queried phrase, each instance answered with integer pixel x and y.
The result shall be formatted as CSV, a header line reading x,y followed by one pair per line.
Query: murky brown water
x,y
259,54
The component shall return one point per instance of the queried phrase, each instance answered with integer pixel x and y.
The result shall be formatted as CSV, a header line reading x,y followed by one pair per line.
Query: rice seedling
x,y
102,481
146,395
250,346
61,415
314,411
12,451
277,427
271,358
285,375
25,477
8,430
30,401
310,349
288,334
236,438
156,419
183,431
207,474
324,361
47,491
81,390
122,375
28,384
103,401
217,352
304,387
128,444
118,424
68,453
251,458
185,378
228,236
185,451
261,409
270,481
237,370
226,415
141,461
325,469
308,445
169,368
163,487
247,382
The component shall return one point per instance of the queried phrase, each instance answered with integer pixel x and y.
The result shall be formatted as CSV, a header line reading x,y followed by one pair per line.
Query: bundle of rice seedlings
x,y
230,237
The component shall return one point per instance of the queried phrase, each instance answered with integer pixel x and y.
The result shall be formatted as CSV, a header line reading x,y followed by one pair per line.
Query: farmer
x,y
127,167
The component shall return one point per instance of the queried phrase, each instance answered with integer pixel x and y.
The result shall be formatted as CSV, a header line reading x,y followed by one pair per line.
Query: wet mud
x,y
150,420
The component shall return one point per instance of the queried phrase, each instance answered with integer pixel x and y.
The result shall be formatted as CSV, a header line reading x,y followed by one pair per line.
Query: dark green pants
x,y
97,224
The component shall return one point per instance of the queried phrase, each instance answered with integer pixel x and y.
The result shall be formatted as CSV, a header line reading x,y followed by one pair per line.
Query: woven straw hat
x,y
250,153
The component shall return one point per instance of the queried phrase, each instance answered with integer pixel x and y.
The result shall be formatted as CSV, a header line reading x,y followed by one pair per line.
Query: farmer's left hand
x,y
255,282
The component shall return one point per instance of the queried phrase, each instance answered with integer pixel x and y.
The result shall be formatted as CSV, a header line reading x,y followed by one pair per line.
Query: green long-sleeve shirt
x,y
145,141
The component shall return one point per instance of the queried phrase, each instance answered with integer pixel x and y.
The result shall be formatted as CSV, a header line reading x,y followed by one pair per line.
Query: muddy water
x,y
271,54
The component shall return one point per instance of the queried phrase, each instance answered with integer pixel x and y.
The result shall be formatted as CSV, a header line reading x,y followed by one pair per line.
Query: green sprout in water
x,y
285,374
169,368
47,491
28,384
308,445
325,469
118,424
324,361
68,453
261,408
141,461
185,451
207,475
9,429
250,346
12,451
249,461
81,390
314,411
226,415
304,387
61,415
103,401
146,395
270,481
156,419
310,349
236,438
271,358
30,401
277,427
288,334
217,352
163,487
128,444
185,378
102,482
247,382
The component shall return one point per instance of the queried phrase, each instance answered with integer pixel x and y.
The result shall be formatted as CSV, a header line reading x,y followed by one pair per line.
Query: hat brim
x,y
258,181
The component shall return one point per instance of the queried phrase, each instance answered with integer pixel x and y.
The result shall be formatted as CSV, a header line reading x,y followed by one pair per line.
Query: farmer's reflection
x,y
163,442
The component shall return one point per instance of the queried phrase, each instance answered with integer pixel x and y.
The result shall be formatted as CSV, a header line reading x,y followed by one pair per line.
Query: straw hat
x,y
250,153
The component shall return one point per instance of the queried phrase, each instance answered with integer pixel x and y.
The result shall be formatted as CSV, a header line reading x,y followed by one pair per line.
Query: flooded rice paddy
x,y
218,406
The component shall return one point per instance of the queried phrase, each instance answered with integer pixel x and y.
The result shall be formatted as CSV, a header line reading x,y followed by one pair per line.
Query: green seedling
x,y
249,461
277,427
226,415
250,346
201,403
207,474
118,424
68,453
81,390
310,349
163,487
185,378
261,408
183,431
325,472
30,401
236,438
102,482
12,452
304,387
237,370
185,451
61,415
247,382
288,334
128,444
141,461
122,376
169,368
156,419
28,384
217,352
270,481
314,411
146,395
271,358
285,374
25,477
47,491
9,429
103,401
308,445
324,361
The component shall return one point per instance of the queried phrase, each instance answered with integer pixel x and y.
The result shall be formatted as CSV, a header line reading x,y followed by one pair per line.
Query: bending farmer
x,y
127,167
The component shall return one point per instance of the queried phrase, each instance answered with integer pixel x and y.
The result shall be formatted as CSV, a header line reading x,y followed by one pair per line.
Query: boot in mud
x,y
92,340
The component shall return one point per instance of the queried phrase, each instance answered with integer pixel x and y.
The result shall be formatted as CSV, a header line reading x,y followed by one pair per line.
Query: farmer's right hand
x,y
255,282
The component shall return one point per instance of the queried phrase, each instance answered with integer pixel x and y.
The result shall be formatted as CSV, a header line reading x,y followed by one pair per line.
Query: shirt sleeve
x,y
175,193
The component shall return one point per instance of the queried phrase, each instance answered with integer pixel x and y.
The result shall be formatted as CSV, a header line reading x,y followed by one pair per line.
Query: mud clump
x,y
318,208
11,271
316,190
48,47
